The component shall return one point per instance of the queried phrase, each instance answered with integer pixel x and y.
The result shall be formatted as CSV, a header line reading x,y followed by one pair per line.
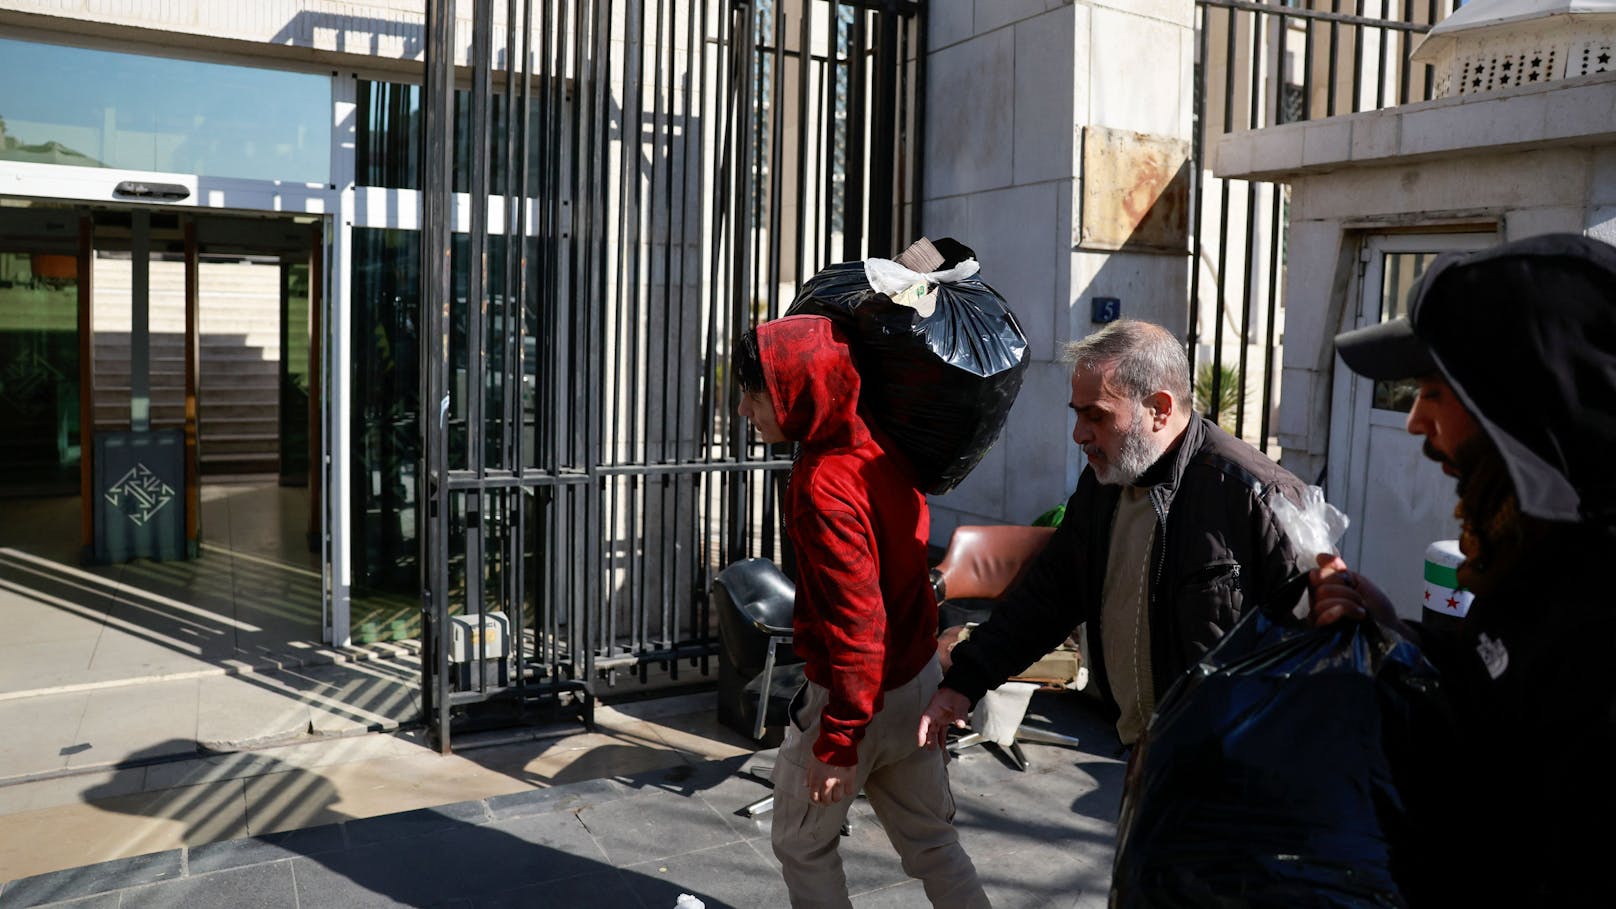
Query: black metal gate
x,y
1262,64
671,170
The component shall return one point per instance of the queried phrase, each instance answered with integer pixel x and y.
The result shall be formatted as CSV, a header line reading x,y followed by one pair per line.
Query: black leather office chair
x,y
981,563
758,673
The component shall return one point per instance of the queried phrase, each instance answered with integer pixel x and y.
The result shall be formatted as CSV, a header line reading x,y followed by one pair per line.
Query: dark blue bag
x,y
1276,772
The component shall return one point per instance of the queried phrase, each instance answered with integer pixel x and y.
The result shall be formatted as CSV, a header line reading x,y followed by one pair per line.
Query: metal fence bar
x,y
594,497
1336,62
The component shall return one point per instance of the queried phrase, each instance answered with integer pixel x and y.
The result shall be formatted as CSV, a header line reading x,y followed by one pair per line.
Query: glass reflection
x,y
39,372
93,108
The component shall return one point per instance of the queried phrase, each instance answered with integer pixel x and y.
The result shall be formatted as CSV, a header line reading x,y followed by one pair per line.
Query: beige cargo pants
x,y
906,785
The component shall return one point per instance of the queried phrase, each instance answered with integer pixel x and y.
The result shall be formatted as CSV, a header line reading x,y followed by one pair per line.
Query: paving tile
x,y
93,879
602,888
726,877
70,790
558,767
422,822
468,862
561,798
99,901
654,825
702,736
243,711
299,797
270,847
137,721
729,796
54,724
258,887
44,666
53,839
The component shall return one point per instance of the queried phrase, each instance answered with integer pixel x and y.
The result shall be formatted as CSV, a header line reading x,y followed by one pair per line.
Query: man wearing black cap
x,y
1514,350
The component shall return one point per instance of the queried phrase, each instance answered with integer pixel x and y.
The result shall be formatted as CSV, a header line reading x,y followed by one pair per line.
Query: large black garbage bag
x,y
1280,771
941,385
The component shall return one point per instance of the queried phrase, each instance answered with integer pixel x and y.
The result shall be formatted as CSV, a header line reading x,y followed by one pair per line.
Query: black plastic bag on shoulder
x,y
941,385
1284,770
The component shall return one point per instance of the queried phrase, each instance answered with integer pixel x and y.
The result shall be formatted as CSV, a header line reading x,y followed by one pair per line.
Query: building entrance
x,y
159,396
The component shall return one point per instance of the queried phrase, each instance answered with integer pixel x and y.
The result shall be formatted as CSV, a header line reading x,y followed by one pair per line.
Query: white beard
x,y
1135,456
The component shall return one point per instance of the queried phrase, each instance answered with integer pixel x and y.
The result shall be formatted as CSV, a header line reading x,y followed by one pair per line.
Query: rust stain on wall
x,y
1136,192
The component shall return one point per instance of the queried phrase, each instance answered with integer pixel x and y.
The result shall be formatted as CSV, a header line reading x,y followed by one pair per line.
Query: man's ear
x,y
1161,407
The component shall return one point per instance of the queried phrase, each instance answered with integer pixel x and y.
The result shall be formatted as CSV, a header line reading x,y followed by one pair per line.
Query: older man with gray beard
x,y
1168,537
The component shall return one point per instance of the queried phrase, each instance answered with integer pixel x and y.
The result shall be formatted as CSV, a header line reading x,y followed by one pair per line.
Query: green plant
x,y
1231,392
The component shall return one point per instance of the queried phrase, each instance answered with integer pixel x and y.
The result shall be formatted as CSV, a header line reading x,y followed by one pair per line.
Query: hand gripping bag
x,y
941,361
1278,772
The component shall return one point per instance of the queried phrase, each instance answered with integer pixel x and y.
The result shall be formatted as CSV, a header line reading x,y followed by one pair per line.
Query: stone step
x,y
239,464
215,443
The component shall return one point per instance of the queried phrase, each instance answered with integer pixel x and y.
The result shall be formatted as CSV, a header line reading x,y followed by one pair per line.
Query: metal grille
x,y
1262,64
689,163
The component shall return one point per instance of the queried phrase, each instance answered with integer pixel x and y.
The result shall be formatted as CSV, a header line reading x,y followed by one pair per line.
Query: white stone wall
x,y
1010,86
1522,162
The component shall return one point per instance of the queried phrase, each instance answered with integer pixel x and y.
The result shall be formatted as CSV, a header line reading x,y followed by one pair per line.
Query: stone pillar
x,y
1028,102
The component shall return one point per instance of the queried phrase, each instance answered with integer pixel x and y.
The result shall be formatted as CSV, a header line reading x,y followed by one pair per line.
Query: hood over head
x,y
808,367
1525,332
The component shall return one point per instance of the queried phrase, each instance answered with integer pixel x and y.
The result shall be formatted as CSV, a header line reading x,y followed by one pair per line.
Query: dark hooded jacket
x,y
1525,334
865,619
1217,550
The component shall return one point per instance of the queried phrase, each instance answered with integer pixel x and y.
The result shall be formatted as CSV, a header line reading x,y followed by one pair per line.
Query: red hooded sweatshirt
x,y
865,618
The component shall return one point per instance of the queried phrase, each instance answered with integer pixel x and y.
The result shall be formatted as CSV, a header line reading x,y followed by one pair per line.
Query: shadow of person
x,y
527,849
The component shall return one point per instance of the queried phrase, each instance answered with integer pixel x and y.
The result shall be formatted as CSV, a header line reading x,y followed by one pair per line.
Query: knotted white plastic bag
x,y
909,288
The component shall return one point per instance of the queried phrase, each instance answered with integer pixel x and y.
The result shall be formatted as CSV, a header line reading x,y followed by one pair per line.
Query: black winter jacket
x,y
1216,549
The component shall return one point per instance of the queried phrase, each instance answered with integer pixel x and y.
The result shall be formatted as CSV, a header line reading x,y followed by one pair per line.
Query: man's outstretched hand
x,y
947,708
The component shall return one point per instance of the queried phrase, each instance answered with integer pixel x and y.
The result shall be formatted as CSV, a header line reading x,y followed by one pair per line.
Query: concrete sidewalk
x,y
633,838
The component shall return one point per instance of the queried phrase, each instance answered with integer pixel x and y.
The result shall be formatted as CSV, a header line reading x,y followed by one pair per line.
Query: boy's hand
x,y
827,783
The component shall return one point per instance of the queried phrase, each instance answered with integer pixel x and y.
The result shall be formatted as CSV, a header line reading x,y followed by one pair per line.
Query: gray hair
x,y
1143,358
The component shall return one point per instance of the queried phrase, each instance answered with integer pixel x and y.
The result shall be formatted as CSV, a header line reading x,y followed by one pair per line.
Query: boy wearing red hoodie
x,y
865,622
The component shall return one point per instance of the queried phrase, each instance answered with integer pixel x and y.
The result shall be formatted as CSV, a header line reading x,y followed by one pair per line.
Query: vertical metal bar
x,y
883,138
831,124
799,245
1275,250
777,135
437,139
1335,35
317,386
740,282
1307,72
1254,99
1384,38
1430,71
857,126
1283,30
1215,393
917,139
1198,140
140,321
86,328
476,315
594,594
193,365
1357,58
1405,40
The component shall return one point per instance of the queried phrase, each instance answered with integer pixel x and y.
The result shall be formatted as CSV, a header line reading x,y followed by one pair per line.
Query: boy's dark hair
x,y
749,363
